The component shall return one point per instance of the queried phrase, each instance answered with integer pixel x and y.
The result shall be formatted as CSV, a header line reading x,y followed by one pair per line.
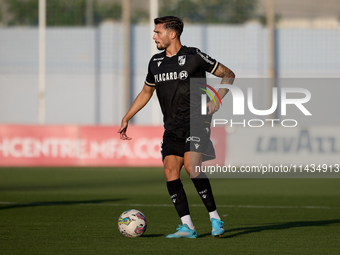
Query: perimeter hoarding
x,y
22,145
316,145
79,146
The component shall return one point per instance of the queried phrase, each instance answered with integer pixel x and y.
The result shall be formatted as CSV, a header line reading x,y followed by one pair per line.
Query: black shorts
x,y
195,139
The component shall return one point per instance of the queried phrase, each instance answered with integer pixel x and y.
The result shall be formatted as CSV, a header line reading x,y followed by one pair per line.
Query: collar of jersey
x,y
181,49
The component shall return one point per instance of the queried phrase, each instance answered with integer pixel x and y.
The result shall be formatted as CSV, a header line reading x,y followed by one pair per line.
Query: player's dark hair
x,y
171,22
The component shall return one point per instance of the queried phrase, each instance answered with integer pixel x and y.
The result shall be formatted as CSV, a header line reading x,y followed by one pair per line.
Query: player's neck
x,y
173,48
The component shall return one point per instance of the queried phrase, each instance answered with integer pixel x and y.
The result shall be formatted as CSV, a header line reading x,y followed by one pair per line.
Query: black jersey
x,y
171,77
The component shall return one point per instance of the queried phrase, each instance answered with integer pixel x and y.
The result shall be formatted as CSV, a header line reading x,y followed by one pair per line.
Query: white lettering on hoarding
x,y
30,147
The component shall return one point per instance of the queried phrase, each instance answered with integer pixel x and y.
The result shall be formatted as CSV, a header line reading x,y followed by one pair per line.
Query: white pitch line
x,y
193,205
229,206
9,203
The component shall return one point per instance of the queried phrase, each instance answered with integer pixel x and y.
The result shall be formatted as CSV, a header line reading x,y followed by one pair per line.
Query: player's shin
x,y
179,199
203,187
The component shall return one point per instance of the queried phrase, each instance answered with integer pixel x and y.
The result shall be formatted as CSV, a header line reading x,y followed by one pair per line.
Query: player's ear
x,y
172,34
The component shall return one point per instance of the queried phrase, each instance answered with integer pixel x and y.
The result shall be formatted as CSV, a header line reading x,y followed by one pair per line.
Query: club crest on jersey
x,y
181,60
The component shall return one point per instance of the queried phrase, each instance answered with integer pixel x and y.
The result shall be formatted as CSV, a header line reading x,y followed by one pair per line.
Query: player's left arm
x,y
228,77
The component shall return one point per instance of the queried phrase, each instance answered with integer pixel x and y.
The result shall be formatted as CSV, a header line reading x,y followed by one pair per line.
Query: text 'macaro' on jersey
x,y
171,78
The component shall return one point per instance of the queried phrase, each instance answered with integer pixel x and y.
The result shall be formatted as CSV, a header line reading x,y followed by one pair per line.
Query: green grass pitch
x,y
75,211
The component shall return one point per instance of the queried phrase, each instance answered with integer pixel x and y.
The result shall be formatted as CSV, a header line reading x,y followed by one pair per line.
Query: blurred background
x,y
87,61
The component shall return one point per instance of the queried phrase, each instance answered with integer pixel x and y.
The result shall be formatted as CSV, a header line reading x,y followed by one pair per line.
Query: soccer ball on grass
x,y
132,223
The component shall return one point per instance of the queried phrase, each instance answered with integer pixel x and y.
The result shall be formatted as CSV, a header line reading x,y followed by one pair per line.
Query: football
x,y
132,223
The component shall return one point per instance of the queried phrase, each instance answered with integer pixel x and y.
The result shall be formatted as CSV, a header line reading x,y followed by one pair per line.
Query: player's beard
x,y
163,46
160,47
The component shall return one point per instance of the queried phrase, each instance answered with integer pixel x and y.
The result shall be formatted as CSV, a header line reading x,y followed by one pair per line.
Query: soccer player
x,y
186,140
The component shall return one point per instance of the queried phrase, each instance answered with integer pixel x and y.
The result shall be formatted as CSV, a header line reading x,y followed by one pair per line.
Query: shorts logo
x,y
183,75
193,139
181,60
196,145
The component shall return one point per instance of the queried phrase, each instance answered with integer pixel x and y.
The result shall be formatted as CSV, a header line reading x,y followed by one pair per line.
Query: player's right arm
x,y
140,101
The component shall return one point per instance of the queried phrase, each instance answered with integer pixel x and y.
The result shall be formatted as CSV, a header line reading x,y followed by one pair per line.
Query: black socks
x,y
178,197
204,190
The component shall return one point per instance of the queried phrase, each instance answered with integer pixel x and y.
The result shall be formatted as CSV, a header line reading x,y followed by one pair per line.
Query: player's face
x,y
161,37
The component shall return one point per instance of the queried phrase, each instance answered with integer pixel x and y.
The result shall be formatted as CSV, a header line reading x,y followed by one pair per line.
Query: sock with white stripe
x,y
187,220
214,214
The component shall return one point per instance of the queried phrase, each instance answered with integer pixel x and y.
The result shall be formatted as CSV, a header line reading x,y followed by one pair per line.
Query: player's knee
x,y
169,170
171,173
191,170
187,167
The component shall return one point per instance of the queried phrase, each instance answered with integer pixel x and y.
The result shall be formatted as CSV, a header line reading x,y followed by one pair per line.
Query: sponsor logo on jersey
x,y
181,60
166,76
159,63
157,59
205,57
171,76
183,75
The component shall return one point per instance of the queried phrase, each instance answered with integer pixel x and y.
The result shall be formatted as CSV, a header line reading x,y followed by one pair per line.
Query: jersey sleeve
x,y
150,79
206,62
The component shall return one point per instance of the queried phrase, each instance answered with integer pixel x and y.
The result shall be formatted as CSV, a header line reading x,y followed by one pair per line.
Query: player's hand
x,y
212,108
122,131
